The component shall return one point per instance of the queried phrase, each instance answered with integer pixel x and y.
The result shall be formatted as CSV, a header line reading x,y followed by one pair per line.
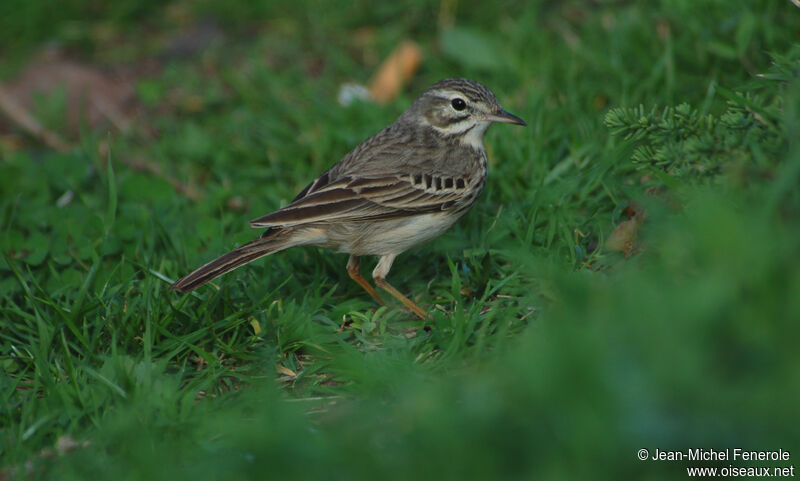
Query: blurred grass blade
x,y
105,381
97,257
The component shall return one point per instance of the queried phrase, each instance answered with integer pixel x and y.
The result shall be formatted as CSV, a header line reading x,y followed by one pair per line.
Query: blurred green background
x,y
628,279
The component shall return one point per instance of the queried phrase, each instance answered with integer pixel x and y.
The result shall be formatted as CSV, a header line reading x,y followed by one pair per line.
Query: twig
x,y
24,119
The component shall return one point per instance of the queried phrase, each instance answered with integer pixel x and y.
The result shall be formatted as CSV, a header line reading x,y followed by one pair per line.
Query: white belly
x,y
388,236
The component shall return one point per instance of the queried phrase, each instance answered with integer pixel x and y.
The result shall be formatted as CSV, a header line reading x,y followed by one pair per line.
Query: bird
x,y
401,187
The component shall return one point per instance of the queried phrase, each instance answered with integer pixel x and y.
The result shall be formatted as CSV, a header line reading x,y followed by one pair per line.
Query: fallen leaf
x,y
395,72
20,115
623,237
285,371
91,95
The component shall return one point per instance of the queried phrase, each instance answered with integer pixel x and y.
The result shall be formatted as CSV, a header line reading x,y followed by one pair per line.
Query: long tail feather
x,y
238,257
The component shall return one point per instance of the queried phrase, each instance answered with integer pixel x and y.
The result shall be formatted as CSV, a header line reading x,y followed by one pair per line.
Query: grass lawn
x,y
628,280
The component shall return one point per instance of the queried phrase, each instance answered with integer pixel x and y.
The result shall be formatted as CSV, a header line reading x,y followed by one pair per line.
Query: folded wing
x,y
355,199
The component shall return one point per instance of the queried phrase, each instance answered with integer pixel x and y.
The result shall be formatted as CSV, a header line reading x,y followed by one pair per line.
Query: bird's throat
x,y
473,137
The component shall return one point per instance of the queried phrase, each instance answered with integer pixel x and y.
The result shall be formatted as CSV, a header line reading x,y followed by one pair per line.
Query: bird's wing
x,y
354,199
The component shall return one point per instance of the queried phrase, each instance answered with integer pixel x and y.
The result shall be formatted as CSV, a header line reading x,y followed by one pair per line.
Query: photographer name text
x,y
735,454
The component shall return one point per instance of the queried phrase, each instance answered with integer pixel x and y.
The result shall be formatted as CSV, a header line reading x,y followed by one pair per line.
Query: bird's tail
x,y
240,256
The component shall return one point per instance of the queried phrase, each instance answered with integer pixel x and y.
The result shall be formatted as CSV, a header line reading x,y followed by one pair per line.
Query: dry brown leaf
x,y
22,117
395,72
95,96
285,371
256,326
623,237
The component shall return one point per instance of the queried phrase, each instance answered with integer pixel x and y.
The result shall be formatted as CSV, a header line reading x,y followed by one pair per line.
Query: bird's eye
x,y
458,103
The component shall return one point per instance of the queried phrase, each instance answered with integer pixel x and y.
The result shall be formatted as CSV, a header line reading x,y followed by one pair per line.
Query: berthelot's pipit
x,y
403,186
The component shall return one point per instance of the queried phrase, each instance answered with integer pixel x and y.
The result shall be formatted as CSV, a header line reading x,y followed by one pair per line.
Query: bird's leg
x,y
354,270
379,276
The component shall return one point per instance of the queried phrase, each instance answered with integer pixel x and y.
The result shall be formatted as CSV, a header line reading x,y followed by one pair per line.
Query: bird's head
x,y
459,107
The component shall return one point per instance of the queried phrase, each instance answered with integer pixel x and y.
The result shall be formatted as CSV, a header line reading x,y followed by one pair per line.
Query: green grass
x,y
547,357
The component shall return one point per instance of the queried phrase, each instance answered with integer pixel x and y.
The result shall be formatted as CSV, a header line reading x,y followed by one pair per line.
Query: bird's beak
x,y
505,117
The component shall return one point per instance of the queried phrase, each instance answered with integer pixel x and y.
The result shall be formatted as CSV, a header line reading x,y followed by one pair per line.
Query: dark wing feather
x,y
353,199
318,183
